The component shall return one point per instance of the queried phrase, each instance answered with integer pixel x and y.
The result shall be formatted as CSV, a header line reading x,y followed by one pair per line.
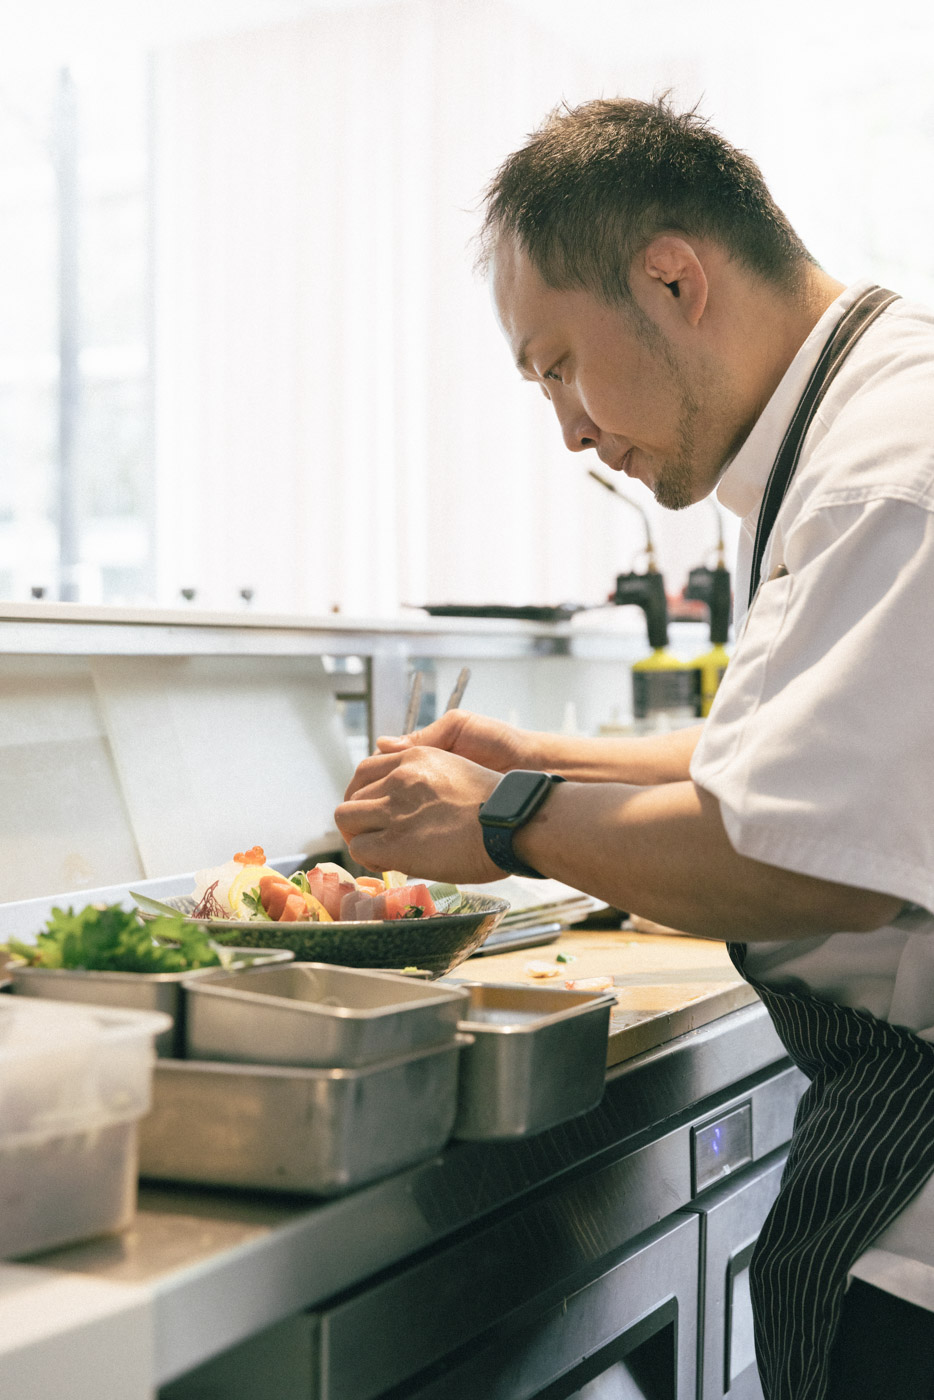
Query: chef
x,y
646,281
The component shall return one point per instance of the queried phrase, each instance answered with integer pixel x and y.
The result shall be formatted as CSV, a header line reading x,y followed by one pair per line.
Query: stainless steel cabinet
x,y
593,1288
628,1331
731,1216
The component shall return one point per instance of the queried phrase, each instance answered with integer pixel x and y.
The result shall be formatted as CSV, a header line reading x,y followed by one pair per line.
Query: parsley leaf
x,y
111,939
253,900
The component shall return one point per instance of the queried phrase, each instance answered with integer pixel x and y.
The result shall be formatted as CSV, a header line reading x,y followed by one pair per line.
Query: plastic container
x,y
74,1082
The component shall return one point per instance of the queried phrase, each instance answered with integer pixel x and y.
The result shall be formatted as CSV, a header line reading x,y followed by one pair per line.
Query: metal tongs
x,y
415,697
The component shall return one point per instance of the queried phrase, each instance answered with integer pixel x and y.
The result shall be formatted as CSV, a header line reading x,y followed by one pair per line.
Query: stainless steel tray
x,y
538,1057
303,1130
140,991
316,1015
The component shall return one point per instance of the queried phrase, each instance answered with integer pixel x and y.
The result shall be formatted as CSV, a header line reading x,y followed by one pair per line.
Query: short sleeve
x,y
820,743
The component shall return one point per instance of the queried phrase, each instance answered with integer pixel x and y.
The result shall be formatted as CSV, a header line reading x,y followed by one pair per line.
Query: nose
x,y
578,430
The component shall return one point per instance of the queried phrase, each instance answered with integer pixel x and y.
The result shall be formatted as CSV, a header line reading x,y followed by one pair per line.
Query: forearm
x,y
642,762
662,852
500,747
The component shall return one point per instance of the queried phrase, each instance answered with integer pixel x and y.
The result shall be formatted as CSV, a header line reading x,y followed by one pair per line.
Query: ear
x,y
673,267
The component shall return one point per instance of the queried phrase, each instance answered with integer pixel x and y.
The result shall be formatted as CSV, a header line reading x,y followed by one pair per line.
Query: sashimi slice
x,y
275,891
360,905
420,897
295,908
351,901
330,867
407,897
397,901
328,887
315,910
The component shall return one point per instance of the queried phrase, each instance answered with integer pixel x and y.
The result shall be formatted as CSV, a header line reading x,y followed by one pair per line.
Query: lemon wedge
x,y
247,880
394,879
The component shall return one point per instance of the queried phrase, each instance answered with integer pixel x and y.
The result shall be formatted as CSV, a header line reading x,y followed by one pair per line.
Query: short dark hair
x,y
595,183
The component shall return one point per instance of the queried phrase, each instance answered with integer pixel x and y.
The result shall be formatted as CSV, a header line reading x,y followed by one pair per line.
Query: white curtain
x,y
338,422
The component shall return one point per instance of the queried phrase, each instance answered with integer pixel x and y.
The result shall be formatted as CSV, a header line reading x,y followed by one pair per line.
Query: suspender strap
x,y
856,321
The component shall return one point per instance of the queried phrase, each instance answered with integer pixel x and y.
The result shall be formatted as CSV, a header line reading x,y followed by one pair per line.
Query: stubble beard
x,y
674,486
675,483
681,479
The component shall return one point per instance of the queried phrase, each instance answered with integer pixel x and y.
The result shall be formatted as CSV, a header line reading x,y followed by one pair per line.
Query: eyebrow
x,y
522,363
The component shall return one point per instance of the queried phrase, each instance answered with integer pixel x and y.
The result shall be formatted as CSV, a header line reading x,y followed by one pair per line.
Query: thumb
x,y
388,743
442,733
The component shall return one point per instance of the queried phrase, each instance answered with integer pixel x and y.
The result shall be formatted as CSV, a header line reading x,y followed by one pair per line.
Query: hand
x,y
488,742
416,811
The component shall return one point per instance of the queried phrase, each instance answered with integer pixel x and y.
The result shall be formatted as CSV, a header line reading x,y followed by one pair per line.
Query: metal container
x,y
307,1130
139,991
316,1015
538,1057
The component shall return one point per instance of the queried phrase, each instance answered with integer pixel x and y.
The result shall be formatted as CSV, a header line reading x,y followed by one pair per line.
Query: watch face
x,y
515,798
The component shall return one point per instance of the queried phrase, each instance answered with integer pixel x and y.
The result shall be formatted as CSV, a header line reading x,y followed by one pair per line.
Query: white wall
x,y
338,421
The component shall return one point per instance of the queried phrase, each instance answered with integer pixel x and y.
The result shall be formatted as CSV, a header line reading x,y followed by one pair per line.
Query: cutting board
x,y
664,985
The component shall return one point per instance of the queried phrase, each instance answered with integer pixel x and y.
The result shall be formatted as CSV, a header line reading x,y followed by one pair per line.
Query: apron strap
x,y
856,321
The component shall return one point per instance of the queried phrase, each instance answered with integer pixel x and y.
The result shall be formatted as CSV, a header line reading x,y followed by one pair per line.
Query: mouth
x,y
624,464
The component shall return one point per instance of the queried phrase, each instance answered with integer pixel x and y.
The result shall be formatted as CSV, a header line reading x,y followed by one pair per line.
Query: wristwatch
x,y
516,797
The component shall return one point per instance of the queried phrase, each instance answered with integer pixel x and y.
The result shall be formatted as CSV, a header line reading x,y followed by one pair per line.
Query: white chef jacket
x,y
820,742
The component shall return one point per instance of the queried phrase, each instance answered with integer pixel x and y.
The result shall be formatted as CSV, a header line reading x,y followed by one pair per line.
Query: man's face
x,y
616,383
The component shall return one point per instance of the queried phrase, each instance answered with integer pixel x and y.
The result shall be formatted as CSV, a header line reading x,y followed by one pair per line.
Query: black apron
x,y
863,1142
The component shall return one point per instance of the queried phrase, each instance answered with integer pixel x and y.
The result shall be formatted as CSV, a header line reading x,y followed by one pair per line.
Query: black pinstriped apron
x,y
863,1142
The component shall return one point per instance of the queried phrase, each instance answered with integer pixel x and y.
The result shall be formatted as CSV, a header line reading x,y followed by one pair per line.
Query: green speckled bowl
x,y
436,945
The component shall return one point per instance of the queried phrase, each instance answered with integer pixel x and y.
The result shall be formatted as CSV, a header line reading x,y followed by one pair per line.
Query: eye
x,y
554,374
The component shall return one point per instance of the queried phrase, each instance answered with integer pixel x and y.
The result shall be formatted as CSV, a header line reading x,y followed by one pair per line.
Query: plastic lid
x,y
37,1027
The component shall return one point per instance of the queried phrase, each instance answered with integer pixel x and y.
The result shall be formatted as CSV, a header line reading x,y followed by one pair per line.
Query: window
x,y
74,338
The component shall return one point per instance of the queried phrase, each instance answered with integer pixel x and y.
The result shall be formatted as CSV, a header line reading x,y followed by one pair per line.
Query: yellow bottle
x,y
711,665
712,586
665,692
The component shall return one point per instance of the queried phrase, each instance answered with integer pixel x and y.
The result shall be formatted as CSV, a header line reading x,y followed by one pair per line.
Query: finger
x,y
371,770
379,790
358,816
388,743
367,850
440,734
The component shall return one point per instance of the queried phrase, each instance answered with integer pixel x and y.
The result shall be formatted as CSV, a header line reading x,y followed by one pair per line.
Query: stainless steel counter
x,y
221,1266
570,1221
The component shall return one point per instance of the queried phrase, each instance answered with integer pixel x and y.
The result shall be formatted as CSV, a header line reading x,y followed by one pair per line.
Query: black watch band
x,y
514,800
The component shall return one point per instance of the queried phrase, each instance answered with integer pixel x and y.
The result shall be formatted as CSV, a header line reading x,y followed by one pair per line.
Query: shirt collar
x,y
743,484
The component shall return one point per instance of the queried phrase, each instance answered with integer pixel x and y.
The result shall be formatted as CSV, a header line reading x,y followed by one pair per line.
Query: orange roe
x,y
254,856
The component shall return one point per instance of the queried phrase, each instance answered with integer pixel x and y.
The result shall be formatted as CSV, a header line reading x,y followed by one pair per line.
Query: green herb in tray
x,y
112,939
